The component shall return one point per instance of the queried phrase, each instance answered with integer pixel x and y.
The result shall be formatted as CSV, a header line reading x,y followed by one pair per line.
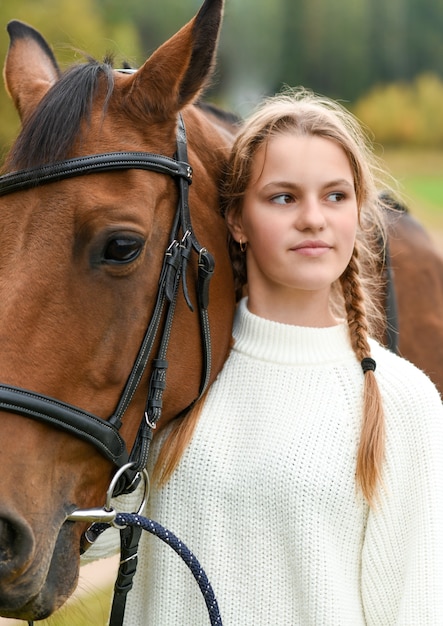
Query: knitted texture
x,y
265,494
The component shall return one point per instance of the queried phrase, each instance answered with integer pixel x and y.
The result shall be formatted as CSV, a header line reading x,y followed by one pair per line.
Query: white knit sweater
x,y
265,494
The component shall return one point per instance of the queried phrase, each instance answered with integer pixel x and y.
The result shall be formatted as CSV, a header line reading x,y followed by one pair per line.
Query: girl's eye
x,y
336,196
283,198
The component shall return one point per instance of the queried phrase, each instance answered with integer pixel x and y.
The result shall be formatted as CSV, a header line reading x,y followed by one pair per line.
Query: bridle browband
x,y
36,176
101,433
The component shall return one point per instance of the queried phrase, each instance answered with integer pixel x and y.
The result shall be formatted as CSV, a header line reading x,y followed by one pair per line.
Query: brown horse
x,y
417,273
81,260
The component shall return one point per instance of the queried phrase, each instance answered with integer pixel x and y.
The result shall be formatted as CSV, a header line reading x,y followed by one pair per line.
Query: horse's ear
x,y
178,71
30,67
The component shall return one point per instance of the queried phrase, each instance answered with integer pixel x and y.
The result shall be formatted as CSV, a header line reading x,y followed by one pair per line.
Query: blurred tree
x,y
155,21
249,52
405,113
328,46
71,28
341,48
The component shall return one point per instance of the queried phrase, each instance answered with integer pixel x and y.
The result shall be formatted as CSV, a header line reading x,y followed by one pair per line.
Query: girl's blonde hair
x,y
358,290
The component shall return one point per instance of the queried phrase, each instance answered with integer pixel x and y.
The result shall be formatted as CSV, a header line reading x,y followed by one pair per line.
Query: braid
x,y
372,439
355,309
238,260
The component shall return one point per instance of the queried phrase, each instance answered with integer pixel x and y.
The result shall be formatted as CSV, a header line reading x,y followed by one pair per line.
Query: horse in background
x,y
81,259
417,284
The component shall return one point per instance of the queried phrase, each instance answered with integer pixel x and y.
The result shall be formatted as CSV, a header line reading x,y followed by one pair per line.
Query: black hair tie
x,y
368,365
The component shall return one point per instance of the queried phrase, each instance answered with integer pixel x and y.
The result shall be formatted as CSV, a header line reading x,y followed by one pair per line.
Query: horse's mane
x,y
49,134
220,114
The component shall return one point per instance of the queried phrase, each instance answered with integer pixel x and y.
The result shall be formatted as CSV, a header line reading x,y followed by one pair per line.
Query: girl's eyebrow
x,y
339,182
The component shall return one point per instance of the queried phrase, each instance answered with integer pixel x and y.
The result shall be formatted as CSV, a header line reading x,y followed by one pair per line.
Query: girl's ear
x,y
235,227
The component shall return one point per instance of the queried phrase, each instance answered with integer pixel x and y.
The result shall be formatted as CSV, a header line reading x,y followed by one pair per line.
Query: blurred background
x,y
383,60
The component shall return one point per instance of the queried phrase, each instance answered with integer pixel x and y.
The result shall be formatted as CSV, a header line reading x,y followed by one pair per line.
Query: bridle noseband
x,y
101,433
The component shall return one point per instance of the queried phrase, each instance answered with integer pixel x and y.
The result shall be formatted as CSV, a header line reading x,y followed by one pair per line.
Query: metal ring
x,y
115,479
107,514
145,498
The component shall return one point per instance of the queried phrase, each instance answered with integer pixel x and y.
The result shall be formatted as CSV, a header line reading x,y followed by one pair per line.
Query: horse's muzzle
x,y
33,584
17,547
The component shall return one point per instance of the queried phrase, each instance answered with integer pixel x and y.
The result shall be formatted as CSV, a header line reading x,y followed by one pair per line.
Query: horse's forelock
x,y
51,131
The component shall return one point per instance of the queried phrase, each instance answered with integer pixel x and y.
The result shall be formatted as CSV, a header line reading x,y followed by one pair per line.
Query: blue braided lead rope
x,y
133,519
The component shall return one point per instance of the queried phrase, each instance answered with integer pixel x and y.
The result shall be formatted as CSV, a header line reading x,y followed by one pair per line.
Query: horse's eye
x,y
122,250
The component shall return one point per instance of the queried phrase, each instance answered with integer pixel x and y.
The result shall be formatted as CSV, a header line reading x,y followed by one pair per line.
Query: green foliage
x,y
405,113
341,49
72,28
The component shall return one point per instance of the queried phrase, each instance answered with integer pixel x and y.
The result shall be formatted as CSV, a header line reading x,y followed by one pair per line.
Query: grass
x,y
420,177
91,603
89,610
430,190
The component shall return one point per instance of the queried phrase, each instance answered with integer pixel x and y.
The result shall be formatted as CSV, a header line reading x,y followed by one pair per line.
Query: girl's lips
x,y
312,248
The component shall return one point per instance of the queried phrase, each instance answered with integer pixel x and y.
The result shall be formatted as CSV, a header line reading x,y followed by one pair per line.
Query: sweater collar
x,y
286,344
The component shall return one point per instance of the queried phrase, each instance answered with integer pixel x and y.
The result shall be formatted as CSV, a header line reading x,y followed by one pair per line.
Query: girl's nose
x,y
310,215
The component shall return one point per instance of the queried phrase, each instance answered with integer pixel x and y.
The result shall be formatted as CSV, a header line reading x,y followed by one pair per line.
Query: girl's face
x,y
299,219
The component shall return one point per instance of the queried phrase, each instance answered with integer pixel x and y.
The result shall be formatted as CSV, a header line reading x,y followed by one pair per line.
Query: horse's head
x,y
80,261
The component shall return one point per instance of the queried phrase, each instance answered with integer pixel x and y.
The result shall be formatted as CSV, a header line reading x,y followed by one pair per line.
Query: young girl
x,y
312,488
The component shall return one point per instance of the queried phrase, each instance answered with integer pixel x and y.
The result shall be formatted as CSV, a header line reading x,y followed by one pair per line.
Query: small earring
x,y
242,245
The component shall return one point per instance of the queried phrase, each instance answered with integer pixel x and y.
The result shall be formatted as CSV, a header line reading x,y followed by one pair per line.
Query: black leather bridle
x,y
101,433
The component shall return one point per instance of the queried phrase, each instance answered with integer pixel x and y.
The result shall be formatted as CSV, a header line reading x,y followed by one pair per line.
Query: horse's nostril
x,y
8,538
16,544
